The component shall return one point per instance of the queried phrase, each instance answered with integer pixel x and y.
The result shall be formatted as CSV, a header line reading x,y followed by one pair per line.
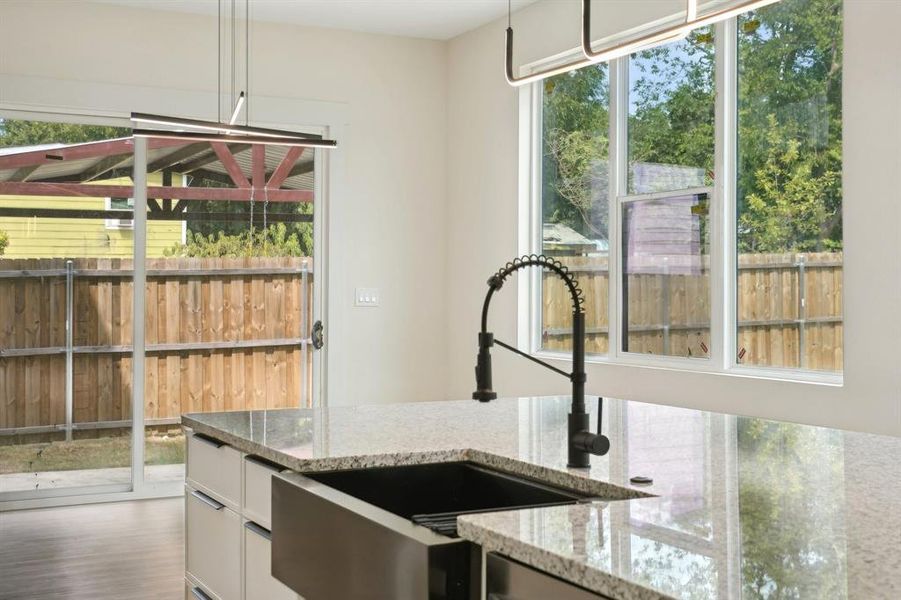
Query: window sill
x,y
705,367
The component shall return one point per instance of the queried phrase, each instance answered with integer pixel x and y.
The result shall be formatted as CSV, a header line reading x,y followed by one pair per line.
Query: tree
x,y
789,138
576,149
790,104
4,242
788,203
791,499
15,132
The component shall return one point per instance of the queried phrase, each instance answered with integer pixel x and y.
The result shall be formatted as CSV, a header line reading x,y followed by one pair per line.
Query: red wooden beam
x,y
284,167
32,188
77,151
258,166
231,165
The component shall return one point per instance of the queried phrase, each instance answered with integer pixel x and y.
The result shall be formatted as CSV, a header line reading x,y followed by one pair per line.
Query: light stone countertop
x,y
739,507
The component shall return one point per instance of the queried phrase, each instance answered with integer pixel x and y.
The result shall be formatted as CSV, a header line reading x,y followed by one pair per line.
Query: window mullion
x,y
723,251
619,169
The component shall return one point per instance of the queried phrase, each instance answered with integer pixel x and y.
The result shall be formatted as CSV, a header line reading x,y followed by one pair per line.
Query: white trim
x,y
723,293
694,191
139,282
528,321
619,182
171,489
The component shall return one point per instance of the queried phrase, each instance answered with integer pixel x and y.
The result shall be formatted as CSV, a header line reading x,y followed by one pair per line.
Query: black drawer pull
x,y
199,594
209,440
207,500
258,529
263,462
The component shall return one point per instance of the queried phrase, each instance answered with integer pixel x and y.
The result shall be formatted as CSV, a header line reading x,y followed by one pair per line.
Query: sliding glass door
x,y
229,308
94,375
65,309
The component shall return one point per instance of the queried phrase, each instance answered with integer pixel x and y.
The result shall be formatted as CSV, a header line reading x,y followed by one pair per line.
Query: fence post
x,y
802,311
665,308
70,315
304,334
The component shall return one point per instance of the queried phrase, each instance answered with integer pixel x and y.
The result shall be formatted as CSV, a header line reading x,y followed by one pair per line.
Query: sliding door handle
x,y
318,339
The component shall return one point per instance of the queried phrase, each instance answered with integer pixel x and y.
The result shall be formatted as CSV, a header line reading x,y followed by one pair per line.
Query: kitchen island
x,y
737,507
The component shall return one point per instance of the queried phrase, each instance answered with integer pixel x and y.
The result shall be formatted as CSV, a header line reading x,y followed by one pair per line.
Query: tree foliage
x,y
791,498
15,132
576,150
4,242
789,138
273,241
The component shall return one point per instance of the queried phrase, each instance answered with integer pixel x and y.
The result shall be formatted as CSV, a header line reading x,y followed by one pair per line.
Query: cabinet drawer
x,y
259,584
215,469
258,490
213,545
509,580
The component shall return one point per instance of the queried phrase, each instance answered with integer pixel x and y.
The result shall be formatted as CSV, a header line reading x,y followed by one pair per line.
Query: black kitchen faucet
x,y
581,442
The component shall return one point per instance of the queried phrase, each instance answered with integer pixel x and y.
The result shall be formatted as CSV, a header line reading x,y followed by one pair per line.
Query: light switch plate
x,y
366,297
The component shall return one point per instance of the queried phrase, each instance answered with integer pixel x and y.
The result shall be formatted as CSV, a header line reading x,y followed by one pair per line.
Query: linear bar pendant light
x,y
657,38
201,136
217,131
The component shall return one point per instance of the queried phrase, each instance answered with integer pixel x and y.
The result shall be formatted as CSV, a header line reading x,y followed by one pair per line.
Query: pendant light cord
x,y
509,13
247,62
219,63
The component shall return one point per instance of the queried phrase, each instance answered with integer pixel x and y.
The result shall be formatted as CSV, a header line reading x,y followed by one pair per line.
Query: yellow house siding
x,y
64,238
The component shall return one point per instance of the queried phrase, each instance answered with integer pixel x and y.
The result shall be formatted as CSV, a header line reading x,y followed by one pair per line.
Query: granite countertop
x,y
739,507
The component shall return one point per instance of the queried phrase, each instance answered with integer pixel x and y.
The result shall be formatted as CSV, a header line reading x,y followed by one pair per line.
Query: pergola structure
x,y
240,172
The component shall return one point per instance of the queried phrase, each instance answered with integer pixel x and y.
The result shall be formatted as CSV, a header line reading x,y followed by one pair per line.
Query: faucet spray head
x,y
484,391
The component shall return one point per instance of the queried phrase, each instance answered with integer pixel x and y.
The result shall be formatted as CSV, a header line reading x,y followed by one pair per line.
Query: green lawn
x,y
89,454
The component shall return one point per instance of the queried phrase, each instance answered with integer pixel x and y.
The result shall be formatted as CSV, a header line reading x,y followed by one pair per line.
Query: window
x,y
575,168
789,192
656,272
120,204
665,304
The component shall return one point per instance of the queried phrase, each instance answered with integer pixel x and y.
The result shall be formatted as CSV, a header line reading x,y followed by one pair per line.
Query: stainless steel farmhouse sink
x,y
390,532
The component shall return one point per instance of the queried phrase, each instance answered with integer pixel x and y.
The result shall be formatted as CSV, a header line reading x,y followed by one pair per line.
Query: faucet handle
x,y
594,443
600,445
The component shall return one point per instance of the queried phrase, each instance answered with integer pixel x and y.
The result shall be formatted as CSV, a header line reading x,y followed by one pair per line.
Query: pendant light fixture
x,y
219,131
591,56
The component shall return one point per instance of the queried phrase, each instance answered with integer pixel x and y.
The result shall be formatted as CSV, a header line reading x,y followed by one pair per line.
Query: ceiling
x,y
432,19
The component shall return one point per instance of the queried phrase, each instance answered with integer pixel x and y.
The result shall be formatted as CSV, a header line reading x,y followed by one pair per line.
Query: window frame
x,y
723,224
119,224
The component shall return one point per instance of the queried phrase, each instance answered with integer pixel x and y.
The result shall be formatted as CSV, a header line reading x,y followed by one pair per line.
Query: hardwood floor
x,y
132,550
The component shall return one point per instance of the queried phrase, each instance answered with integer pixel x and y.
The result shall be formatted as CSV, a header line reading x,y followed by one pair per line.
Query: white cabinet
x,y
259,584
228,506
213,544
257,505
215,469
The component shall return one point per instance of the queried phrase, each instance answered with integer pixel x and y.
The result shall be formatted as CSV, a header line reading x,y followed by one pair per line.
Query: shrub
x,y
270,242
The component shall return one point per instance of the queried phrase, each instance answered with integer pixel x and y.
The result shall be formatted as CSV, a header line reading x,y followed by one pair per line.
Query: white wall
x,y
388,93
427,203
483,172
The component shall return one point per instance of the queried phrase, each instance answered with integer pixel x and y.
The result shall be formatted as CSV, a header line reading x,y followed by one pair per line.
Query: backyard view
x,y
788,221
227,301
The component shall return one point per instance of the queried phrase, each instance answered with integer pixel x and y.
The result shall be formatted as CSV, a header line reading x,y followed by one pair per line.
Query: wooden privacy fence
x,y
220,334
789,310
